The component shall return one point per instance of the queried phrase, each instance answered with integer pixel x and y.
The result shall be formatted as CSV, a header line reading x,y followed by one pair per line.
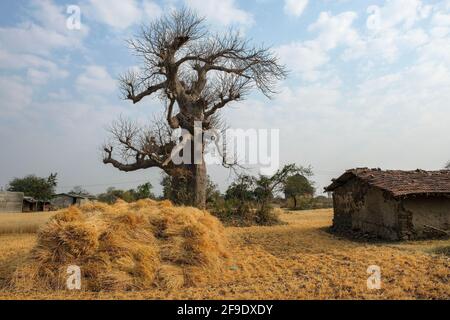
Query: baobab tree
x,y
195,73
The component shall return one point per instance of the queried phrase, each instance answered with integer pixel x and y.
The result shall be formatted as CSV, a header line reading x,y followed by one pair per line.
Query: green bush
x,y
233,212
309,203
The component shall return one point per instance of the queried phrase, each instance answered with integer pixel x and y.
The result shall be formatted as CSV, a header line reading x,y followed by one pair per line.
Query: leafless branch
x,y
178,53
136,147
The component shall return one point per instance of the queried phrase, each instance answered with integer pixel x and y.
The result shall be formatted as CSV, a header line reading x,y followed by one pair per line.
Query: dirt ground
x,y
299,260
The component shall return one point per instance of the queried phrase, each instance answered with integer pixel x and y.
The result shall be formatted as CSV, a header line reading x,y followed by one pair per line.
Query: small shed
x,y
392,204
65,200
11,201
32,205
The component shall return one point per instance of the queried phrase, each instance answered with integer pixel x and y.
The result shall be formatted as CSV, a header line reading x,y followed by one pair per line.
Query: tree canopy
x,y
33,186
143,191
79,190
298,185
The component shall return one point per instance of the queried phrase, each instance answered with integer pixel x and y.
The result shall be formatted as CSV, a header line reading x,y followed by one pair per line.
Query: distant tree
x,y
112,195
33,186
78,190
144,191
447,166
52,180
212,192
263,188
296,186
242,189
252,197
266,187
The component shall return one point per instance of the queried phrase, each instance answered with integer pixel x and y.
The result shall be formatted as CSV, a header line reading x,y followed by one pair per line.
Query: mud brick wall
x,y
11,202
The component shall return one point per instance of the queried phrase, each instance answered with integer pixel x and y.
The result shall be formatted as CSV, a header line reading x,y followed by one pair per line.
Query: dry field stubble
x,y
299,260
18,223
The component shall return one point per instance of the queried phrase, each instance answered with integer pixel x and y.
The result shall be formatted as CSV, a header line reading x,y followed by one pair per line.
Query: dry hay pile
x,y
135,246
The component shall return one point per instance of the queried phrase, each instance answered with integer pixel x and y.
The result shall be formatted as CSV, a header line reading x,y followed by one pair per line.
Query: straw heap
x,y
125,246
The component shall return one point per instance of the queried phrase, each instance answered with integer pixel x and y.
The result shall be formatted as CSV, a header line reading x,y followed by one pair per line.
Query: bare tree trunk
x,y
199,185
295,202
198,170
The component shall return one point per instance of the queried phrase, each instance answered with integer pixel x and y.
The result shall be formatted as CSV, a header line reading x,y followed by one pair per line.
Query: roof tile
x,y
399,183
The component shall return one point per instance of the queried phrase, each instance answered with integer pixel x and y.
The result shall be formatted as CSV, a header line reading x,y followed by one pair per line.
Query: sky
x,y
369,84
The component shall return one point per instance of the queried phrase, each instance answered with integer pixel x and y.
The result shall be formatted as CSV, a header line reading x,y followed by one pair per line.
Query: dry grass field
x,y
299,260
18,223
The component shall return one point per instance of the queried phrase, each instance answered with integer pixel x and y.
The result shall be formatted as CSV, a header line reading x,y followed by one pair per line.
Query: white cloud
x,y
303,57
308,57
54,17
29,46
10,60
356,123
151,10
335,30
44,32
388,46
125,13
437,50
394,28
440,24
324,123
404,101
118,14
39,70
222,12
295,7
37,77
441,19
32,38
336,128
61,94
403,13
15,95
95,81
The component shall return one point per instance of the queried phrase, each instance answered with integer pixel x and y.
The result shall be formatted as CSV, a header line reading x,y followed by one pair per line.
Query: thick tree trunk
x,y
295,202
199,185
198,170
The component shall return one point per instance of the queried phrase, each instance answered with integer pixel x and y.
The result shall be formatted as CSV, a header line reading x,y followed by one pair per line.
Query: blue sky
x,y
368,86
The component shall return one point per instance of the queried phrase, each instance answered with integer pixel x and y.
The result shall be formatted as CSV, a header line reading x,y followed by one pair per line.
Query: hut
x,y
65,200
32,205
392,204
11,201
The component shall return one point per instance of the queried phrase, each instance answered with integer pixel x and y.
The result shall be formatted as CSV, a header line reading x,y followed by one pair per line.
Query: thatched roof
x,y
399,183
